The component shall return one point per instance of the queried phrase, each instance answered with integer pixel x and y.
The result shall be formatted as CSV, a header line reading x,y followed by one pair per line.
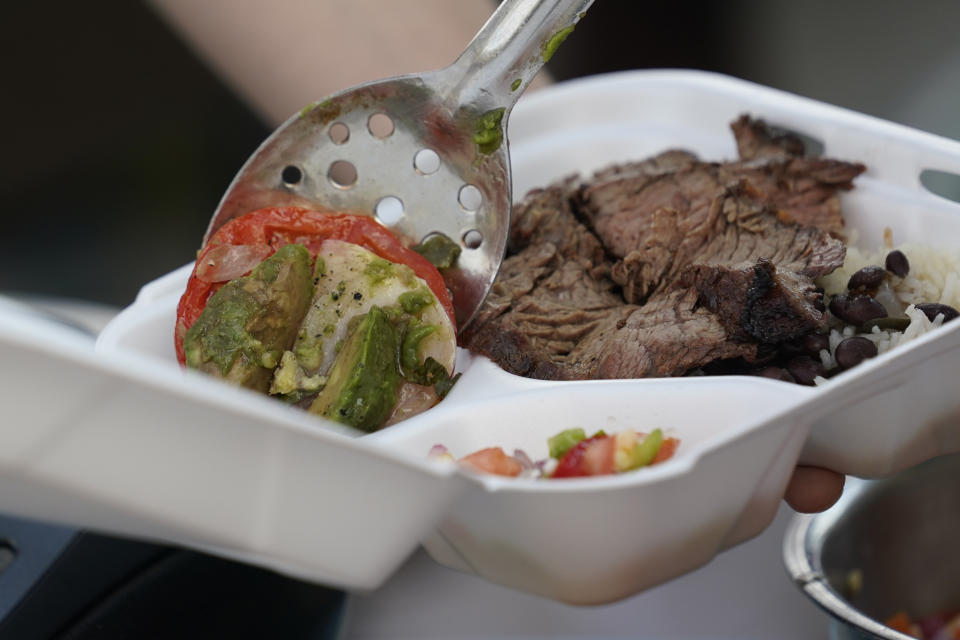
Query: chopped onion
x,y
546,466
521,456
228,261
438,450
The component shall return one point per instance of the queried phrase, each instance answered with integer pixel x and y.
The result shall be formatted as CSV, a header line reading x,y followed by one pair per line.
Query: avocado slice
x,y
361,389
350,280
250,321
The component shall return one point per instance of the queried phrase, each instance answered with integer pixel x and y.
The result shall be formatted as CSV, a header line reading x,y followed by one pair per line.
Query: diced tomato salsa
x,y
598,455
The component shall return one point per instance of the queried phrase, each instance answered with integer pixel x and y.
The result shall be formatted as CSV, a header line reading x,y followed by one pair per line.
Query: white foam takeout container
x,y
120,439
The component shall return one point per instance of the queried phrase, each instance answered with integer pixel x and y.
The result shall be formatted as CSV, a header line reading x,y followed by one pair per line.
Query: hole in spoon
x,y
470,197
342,174
339,133
426,161
291,175
380,125
389,210
472,239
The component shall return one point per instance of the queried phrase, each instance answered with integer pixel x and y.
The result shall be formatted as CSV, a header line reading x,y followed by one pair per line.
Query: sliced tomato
x,y
279,226
590,457
493,460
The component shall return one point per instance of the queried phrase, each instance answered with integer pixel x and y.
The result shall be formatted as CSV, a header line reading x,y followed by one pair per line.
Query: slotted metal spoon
x,y
425,154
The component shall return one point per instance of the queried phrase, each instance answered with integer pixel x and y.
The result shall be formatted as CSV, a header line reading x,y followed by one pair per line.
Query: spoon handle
x,y
508,51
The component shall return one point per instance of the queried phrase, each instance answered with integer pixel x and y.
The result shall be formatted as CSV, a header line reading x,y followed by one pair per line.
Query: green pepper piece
x,y
564,441
488,135
645,450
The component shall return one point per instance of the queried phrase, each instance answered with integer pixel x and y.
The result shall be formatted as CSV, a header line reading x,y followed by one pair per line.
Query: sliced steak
x,y
568,339
544,305
658,267
755,139
801,190
619,204
734,228
627,212
668,336
512,351
546,216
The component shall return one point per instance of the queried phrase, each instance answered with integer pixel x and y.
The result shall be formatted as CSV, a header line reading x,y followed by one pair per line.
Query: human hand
x,y
813,489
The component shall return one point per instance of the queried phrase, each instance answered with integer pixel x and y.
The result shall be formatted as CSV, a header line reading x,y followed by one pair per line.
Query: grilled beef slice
x,y
658,267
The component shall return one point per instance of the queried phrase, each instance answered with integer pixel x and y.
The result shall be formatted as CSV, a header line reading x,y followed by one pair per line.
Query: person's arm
x,y
280,56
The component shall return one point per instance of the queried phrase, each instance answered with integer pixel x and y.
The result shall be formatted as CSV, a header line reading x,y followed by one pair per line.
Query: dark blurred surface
x,y
73,585
118,145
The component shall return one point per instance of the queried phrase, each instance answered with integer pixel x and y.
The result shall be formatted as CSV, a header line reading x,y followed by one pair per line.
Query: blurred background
x,y
120,137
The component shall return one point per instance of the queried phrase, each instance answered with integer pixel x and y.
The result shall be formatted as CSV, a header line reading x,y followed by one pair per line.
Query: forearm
x,y
280,56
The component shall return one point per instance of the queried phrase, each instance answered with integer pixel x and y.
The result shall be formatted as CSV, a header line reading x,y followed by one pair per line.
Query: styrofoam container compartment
x,y
136,445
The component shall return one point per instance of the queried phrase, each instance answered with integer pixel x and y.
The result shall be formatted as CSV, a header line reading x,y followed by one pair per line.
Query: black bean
x,y
856,310
897,263
867,278
804,369
814,343
777,373
852,351
933,309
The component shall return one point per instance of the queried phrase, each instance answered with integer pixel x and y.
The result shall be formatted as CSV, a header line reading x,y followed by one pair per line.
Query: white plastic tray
x,y
122,439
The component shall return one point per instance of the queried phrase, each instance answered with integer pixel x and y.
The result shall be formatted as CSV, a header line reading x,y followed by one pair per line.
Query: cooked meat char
x,y
757,141
658,267
757,301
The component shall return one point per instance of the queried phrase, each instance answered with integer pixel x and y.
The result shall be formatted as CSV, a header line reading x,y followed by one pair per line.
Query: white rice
x,y
933,277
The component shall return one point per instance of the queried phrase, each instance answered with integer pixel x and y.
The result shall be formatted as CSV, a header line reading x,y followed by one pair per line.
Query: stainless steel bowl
x,y
888,545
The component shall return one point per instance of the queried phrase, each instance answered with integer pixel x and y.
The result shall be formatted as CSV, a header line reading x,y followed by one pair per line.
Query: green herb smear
x,y
249,322
646,450
561,443
430,372
439,250
550,46
488,134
